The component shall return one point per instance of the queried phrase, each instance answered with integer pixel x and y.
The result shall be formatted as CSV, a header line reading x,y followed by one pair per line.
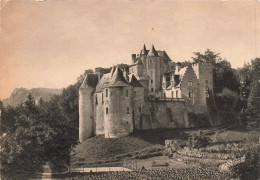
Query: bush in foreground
x,y
199,140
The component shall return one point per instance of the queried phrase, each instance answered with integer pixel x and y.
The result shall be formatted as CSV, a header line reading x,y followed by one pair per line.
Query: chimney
x,y
133,58
177,66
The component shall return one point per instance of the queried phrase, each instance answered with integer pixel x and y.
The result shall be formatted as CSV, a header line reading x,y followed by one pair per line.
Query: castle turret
x,y
86,107
118,110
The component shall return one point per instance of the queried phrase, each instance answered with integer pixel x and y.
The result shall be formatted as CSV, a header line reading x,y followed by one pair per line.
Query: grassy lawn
x,y
147,146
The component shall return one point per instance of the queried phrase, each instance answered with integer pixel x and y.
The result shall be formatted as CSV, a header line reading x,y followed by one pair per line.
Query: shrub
x,y
250,168
199,140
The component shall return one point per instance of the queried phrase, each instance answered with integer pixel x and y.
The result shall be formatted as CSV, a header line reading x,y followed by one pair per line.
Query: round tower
x,y
86,109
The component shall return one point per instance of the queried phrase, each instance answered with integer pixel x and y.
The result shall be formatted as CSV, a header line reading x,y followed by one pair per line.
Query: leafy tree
x,y
223,75
227,100
1,105
24,140
253,121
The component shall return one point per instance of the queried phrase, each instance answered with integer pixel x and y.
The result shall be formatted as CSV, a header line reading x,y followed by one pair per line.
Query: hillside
x,y
19,95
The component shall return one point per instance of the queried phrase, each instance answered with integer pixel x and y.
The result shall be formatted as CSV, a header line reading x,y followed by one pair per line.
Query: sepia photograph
x,y
130,89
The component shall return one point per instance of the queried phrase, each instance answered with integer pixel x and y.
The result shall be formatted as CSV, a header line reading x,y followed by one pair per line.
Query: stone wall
x,y
86,113
164,114
118,118
190,84
99,113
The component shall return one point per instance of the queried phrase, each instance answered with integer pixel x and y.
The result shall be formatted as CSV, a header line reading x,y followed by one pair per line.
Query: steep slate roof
x,y
90,80
153,52
164,55
134,82
103,82
144,51
117,79
139,61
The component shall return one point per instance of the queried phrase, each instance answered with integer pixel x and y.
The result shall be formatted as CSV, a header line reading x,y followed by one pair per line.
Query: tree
x,y
253,104
1,105
23,146
227,100
223,75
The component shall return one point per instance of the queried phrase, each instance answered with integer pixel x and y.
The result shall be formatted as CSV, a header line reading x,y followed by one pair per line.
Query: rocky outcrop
x,y
19,95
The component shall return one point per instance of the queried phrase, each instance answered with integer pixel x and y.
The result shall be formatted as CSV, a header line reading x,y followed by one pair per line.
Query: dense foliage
x,y
199,140
32,135
160,174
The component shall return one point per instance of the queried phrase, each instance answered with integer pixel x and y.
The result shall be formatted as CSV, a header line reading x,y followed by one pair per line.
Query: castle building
x,y
150,94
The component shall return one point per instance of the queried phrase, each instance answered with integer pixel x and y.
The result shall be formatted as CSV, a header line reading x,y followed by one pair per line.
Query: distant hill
x,y
19,95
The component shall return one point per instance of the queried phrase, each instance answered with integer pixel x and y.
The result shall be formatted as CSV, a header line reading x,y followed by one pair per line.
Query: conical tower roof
x,y
144,51
117,80
153,52
89,80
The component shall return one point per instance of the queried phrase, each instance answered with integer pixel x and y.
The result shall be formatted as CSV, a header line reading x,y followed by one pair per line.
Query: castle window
x,y
190,94
102,98
151,61
164,95
206,84
151,81
134,93
151,89
207,94
127,110
106,92
172,94
140,109
177,94
96,99
190,83
126,93
106,110
151,73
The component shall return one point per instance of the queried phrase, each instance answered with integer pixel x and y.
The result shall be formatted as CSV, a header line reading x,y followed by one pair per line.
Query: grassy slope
x,y
101,148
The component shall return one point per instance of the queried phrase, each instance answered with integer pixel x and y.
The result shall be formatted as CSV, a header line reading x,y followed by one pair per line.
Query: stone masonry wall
x,y
164,114
117,121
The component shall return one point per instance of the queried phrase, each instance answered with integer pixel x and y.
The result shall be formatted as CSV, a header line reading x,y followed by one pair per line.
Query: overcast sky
x,y
50,43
